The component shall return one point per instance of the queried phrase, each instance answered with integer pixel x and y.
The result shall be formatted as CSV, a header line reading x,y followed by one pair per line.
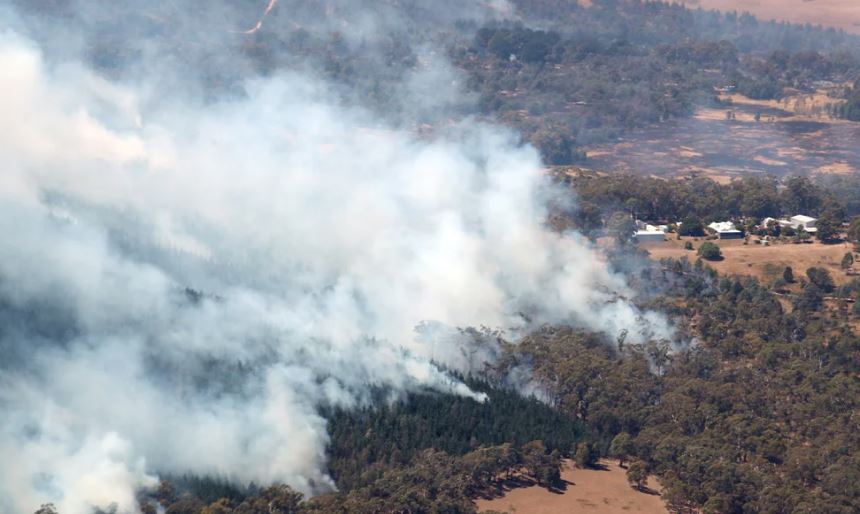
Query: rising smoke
x,y
184,284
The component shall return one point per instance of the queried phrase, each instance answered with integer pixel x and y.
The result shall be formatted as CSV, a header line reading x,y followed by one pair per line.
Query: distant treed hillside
x,y
561,74
588,74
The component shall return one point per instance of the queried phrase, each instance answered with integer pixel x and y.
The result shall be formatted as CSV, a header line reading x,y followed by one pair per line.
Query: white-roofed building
x,y
646,236
807,223
725,230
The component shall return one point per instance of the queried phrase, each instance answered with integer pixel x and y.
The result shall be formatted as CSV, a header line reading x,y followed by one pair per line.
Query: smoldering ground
x,y
184,283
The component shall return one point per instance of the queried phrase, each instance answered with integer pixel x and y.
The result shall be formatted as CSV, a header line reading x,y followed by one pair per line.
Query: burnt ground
x,y
782,143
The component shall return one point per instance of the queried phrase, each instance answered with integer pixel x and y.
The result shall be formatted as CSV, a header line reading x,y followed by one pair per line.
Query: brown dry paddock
x,y
766,263
843,14
589,491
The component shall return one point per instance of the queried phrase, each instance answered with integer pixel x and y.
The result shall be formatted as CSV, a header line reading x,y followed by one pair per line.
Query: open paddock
x,y
603,491
765,263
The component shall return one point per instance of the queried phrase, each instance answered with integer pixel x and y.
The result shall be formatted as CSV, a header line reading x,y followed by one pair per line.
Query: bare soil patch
x,y
605,491
765,263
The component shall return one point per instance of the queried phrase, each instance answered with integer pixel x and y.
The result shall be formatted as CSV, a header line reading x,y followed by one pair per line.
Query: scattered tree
x,y
637,475
710,251
853,234
621,447
621,227
827,228
691,226
821,278
585,456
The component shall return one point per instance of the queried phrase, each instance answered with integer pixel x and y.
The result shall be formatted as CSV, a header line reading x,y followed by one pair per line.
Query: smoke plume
x,y
185,281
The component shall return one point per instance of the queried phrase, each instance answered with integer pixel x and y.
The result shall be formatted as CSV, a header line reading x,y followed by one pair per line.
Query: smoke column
x,y
184,284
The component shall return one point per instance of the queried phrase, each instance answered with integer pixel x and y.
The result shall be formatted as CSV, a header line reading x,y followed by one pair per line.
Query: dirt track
x,y
589,491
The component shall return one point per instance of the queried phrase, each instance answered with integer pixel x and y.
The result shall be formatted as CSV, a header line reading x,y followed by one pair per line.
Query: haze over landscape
x,y
301,256
841,14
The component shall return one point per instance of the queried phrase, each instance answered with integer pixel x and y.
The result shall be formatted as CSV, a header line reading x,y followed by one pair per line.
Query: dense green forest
x,y
428,452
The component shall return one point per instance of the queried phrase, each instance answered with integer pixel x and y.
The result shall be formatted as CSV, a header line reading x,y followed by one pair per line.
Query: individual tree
x,y
186,504
811,299
827,228
802,196
621,447
691,226
853,234
587,218
621,227
556,147
47,508
821,278
585,456
688,245
637,475
221,506
709,251
779,284
847,260
788,274
774,229
542,466
277,499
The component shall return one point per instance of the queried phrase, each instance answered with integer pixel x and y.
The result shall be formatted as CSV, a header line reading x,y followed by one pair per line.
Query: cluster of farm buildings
x,y
646,232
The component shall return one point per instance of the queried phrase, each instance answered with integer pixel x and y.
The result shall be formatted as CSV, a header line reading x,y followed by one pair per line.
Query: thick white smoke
x,y
318,237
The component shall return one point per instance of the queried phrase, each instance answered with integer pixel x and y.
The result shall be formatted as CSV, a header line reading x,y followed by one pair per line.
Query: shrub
x,y
821,278
585,456
637,475
710,251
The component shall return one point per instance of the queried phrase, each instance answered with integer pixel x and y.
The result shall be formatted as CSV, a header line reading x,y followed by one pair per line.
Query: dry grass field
x,y
843,14
792,136
763,262
588,491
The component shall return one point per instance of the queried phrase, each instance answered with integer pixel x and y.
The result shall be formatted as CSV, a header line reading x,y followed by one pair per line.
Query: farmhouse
x,y
644,236
805,222
800,221
725,230
647,227
646,232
